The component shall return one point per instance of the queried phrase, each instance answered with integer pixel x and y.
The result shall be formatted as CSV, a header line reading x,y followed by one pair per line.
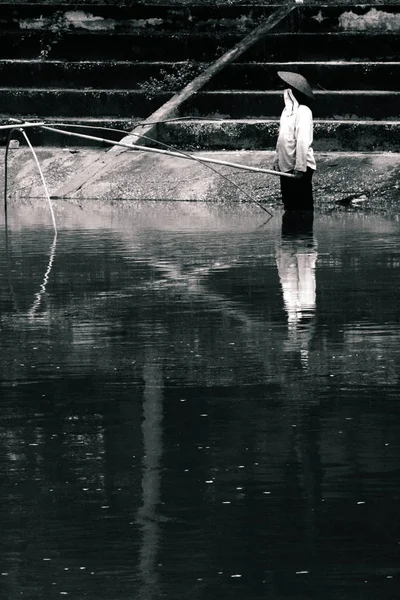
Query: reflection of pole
x,y
307,452
14,300
38,296
152,453
6,174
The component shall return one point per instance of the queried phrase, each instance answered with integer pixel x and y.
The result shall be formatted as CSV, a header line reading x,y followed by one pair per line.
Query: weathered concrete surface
x,y
371,177
256,134
372,20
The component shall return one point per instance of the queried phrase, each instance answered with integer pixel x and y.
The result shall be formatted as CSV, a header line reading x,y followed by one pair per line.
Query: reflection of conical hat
x,y
297,81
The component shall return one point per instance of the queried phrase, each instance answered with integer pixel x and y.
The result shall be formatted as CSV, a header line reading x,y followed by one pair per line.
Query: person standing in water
x,y
294,152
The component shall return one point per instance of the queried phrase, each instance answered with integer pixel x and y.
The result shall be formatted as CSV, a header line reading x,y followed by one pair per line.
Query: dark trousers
x,y
297,194
297,223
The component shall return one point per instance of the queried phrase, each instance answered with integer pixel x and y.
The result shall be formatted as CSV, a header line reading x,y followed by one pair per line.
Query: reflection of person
x,y
294,153
296,257
297,223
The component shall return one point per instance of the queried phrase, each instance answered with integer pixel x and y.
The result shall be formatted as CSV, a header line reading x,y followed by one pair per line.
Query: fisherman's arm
x,y
304,140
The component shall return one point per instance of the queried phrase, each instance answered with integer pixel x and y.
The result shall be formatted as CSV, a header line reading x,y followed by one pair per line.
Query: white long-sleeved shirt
x,y
294,145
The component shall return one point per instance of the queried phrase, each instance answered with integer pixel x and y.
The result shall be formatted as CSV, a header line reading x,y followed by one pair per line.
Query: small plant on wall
x,y
53,34
171,80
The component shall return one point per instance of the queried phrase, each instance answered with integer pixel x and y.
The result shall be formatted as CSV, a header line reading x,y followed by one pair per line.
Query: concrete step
x,y
313,17
348,104
231,134
258,134
373,46
56,102
317,17
325,75
146,18
103,127
101,46
362,45
93,74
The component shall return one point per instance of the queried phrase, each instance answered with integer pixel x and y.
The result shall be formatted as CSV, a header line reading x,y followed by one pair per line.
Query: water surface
x,y
197,404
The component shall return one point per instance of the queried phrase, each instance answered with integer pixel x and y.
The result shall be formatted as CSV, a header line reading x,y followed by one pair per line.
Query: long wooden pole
x,y
168,152
46,191
20,124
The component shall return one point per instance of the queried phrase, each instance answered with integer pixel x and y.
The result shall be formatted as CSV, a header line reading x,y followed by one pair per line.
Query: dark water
x,y
198,406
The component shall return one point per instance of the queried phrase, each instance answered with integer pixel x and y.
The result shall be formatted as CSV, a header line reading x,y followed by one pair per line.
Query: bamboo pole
x,y
168,152
20,124
46,191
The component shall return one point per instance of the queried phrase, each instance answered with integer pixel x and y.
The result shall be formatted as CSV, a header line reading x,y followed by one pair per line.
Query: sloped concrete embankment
x,y
371,177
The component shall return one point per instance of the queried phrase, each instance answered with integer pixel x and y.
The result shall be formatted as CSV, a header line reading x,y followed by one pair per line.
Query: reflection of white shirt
x,y
294,145
296,269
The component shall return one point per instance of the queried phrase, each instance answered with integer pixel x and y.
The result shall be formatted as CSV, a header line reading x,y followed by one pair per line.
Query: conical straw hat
x,y
297,81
